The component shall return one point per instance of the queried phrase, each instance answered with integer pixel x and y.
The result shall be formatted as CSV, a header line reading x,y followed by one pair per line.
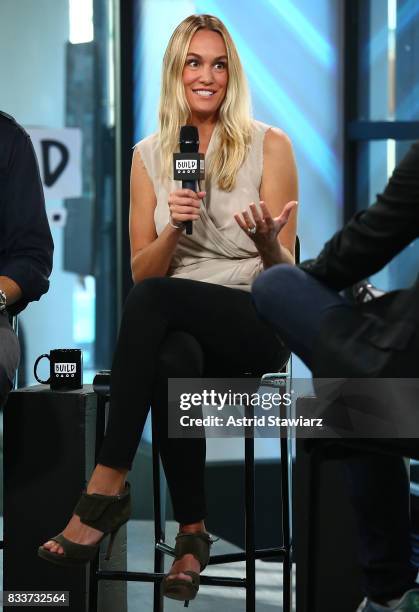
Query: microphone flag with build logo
x,y
189,165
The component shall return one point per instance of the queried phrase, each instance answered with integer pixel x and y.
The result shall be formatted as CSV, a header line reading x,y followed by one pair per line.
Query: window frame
x,y
356,131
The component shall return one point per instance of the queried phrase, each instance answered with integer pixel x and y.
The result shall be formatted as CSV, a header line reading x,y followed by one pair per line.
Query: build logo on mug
x,y
66,369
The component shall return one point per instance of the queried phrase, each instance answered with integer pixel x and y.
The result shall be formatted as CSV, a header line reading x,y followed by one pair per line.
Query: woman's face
x,y
205,75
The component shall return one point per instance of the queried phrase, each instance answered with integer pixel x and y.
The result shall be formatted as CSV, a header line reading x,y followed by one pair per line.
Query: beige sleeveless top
x,y
218,251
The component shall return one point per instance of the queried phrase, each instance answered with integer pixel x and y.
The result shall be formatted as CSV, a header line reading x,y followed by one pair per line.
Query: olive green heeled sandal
x,y
106,513
198,545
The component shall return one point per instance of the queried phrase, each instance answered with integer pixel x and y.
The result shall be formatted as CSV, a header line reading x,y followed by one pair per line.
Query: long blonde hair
x,y
234,117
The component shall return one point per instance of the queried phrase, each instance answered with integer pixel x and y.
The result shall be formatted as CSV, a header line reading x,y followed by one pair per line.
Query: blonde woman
x,y
190,312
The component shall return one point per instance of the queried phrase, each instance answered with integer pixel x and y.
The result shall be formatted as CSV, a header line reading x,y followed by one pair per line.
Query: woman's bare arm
x,y
279,186
150,254
273,221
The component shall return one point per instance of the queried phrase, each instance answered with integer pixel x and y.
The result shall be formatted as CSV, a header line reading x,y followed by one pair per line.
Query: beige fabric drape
x,y
218,250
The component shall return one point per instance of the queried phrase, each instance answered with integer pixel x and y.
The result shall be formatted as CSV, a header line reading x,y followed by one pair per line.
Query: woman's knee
x,y
148,288
146,296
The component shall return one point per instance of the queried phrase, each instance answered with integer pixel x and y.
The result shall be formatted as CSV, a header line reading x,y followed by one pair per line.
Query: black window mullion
x,y
350,105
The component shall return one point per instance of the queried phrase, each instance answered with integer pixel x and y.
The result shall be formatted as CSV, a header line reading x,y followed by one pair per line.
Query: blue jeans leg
x,y
294,303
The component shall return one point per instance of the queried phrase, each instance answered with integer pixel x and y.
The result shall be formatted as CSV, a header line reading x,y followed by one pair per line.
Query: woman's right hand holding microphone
x,y
184,205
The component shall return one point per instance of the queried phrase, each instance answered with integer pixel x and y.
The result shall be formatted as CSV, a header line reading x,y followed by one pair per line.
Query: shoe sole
x,y
179,592
58,559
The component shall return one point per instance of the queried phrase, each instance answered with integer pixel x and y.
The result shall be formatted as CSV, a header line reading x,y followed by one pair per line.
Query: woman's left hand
x,y
261,227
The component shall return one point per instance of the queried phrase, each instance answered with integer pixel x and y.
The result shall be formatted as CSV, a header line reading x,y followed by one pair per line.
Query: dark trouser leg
x,y
5,386
9,357
379,490
294,303
183,459
142,332
224,324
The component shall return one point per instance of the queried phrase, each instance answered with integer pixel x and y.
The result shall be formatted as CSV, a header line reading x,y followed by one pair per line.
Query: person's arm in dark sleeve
x,y
374,236
28,241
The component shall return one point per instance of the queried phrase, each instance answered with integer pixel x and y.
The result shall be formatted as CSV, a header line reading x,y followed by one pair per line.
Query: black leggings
x,y
180,328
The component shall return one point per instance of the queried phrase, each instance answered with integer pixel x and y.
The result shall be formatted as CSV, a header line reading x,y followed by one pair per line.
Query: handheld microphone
x,y
189,165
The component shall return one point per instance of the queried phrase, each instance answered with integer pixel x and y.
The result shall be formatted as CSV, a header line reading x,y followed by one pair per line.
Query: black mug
x,y
66,369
